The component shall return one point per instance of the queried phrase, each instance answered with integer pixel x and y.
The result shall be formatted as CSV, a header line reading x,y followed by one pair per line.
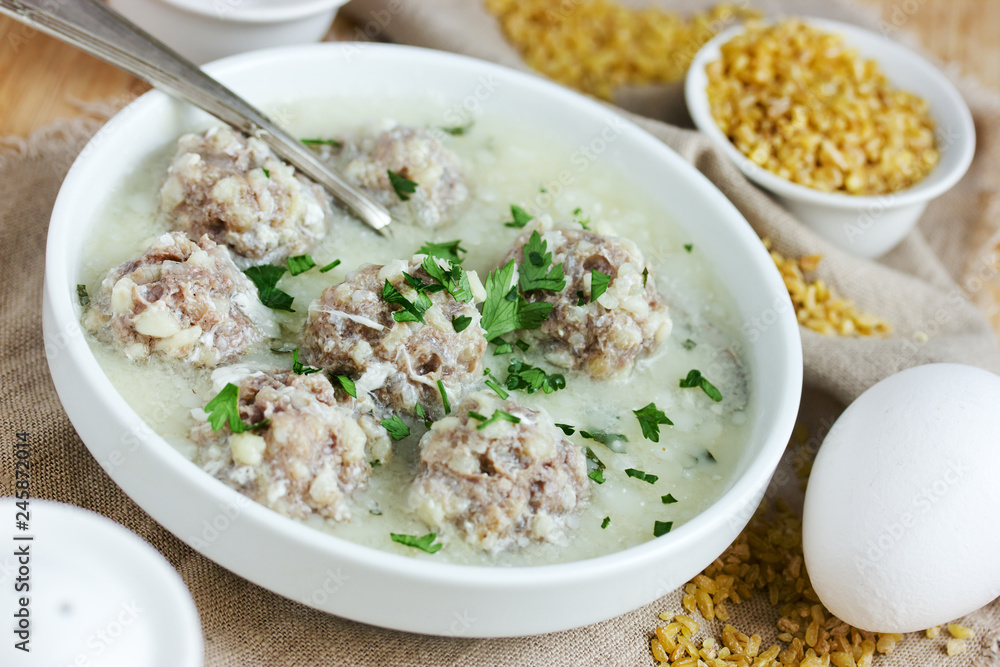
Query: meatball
x,y
312,453
351,331
602,337
497,483
233,188
182,299
416,155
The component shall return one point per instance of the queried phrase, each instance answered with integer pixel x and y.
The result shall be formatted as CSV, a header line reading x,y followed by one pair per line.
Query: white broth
x,y
506,163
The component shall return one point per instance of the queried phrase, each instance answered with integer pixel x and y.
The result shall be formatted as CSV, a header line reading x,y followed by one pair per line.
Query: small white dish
x,y
869,226
96,594
206,30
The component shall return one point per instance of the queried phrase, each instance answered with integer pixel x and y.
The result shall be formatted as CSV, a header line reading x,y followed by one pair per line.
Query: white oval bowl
x,y
206,30
363,583
869,226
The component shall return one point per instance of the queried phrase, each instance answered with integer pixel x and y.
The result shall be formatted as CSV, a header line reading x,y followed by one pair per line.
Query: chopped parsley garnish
x,y
81,295
421,414
300,264
650,419
267,172
584,222
689,344
696,379
321,142
331,266
689,247
396,427
519,217
521,345
668,499
444,397
300,368
225,408
458,130
577,211
503,348
461,323
454,278
598,473
566,428
374,463
497,416
640,475
266,277
529,379
347,384
606,522
425,543
581,298
604,438
403,186
413,311
661,528
450,250
599,282
505,310
536,271
645,275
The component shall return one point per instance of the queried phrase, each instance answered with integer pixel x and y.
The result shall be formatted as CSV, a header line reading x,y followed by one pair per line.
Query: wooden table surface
x,y
42,79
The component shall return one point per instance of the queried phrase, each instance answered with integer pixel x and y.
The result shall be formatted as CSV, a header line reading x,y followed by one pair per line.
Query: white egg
x,y
901,525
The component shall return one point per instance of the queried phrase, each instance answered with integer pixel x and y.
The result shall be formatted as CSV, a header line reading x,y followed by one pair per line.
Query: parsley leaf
x,y
225,408
529,379
461,323
299,368
689,344
396,427
412,311
650,419
425,543
689,247
450,250
81,295
567,429
696,379
661,528
604,438
266,277
640,475
504,309
331,266
598,473
347,384
519,217
458,130
322,142
267,172
536,271
606,522
422,415
502,348
668,499
300,264
444,397
598,284
454,279
404,187
581,299
645,276
597,476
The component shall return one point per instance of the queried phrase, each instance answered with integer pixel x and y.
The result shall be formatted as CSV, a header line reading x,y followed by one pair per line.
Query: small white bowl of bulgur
x,y
853,133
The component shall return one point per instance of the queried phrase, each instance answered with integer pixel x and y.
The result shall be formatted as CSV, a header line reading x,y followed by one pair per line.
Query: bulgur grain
x,y
801,104
599,45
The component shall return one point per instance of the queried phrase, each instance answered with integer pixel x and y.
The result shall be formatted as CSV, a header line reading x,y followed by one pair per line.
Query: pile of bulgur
x,y
767,559
599,45
800,103
817,307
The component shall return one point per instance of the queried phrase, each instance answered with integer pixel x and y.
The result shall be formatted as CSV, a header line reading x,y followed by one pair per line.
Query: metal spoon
x,y
92,27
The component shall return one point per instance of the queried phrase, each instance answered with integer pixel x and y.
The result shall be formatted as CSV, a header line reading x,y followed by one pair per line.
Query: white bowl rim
x,y
787,375
922,191
282,10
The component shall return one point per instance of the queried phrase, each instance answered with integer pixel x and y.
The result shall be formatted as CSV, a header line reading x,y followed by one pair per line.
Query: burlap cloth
x,y
926,287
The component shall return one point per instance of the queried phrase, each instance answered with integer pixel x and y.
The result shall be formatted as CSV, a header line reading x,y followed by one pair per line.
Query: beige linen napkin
x,y
926,285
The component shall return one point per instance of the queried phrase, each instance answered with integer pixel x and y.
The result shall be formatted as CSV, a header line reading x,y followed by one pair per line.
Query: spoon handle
x,y
92,27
